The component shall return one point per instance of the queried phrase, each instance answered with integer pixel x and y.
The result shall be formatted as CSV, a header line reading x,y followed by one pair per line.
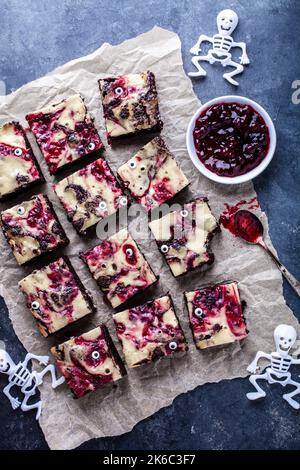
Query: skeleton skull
x,y
6,362
227,21
284,337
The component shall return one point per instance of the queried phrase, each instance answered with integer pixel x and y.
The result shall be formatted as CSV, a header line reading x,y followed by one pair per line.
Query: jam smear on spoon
x,y
249,227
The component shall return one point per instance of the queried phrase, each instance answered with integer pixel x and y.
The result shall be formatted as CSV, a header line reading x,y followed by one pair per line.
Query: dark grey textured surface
x,y
35,37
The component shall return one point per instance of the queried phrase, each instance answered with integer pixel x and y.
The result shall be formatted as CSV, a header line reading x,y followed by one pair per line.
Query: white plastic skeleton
x,y
20,376
222,42
278,372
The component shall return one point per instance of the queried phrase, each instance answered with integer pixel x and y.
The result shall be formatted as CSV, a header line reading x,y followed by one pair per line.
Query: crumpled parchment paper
x,y
110,411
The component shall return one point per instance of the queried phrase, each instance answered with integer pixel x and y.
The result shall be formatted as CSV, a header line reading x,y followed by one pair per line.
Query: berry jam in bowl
x,y
231,139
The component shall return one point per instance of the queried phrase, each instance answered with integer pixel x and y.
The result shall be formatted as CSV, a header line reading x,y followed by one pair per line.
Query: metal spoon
x,y
249,228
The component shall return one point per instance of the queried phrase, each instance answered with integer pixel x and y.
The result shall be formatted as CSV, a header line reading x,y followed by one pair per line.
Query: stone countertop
x,y
35,37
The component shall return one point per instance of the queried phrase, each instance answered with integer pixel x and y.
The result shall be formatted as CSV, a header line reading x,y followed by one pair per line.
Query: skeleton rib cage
x,y
21,376
280,364
222,43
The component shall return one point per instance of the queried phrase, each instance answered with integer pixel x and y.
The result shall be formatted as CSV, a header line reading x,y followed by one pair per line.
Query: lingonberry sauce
x,y
231,139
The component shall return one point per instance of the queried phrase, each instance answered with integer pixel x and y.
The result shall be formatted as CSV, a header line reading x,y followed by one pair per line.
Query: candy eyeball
x,y
21,210
123,201
132,165
199,312
35,305
119,90
95,354
129,252
173,345
18,152
184,213
102,205
91,146
72,138
164,248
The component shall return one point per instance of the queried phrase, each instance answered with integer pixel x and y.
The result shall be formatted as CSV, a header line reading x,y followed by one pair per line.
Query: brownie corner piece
x,y
216,315
65,132
55,296
32,228
89,361
19,169
149,331
183,236
90,194
130,104
119,268
152,175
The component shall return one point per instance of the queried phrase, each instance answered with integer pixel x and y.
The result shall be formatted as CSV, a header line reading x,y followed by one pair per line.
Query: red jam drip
x,y
248,226
227,216
231,139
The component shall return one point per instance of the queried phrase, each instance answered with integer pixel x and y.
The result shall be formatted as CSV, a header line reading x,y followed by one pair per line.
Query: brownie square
x,y
119,268
56,296
89,361
130,104
32,228
65,132
152,175
18,167
183,236
216,315
90,195
149,331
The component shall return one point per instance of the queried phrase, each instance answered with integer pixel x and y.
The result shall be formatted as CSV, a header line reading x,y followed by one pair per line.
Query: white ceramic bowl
x,y
235,179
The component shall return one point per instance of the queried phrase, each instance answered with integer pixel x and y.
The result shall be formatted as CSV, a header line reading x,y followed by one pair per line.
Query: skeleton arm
x,y
244,59
15,403
43,360
197,47
253,366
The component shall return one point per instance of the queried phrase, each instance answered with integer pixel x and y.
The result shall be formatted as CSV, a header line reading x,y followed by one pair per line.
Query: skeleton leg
x,y
196,59
238,68
37,405
260,392
55,382
41,359
288,396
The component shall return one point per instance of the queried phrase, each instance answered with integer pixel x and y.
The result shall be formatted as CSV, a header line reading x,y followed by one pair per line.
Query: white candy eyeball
x,y
184,213
95,354
119,90
72,138
173,345
199,312
102,205
35,305
91,146
129,252
132,165
21,210
18,152
123,201
164,248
